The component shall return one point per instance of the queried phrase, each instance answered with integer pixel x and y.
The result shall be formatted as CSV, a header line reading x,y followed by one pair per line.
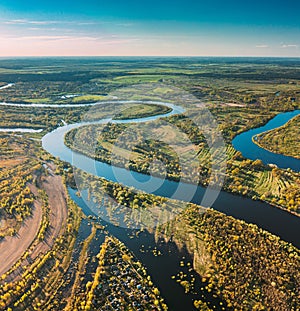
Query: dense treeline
x,y
41,118
124,206
249,268
141,111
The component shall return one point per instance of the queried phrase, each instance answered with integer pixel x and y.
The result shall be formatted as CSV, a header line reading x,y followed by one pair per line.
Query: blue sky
x,y
200,28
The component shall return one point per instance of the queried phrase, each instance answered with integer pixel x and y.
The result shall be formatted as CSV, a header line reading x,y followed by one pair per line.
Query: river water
x,y
250,150
276,221
161,268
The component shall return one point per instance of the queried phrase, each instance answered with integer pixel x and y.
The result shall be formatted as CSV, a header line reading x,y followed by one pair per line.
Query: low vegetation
x,y
141,111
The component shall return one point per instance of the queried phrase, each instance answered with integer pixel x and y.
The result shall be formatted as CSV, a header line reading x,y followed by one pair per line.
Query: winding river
x,y
272,219
277,221
161,268
176,109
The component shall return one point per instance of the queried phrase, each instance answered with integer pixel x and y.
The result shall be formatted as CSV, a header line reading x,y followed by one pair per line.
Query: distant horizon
x,y
146,56
175,28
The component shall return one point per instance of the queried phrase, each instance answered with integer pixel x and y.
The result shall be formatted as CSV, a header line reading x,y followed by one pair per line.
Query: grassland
x,y
283,140
141,111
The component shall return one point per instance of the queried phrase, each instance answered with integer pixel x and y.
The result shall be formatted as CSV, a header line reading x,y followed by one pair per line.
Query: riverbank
x,y
249,149
244,178
7,86
281,140
265,216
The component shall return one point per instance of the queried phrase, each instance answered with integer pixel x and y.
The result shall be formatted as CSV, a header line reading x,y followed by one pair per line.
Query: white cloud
x,y
61,22
286,46
86,23
28,22
124,24
79,39
47,45
50,38
45,22
262,46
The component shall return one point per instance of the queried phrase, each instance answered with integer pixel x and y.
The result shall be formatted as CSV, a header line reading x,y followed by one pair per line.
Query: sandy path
x,y
233,105
55,190
11,248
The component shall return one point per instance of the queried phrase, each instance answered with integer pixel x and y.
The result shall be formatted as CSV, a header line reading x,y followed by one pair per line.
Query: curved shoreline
x,y
30,105
249,149
254,138
260,213
27,239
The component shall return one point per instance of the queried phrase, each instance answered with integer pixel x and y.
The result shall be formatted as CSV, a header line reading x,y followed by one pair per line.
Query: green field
x,y
142,111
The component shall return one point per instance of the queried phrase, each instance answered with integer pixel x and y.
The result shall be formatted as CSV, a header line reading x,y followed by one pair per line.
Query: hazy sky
x,y
132,27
